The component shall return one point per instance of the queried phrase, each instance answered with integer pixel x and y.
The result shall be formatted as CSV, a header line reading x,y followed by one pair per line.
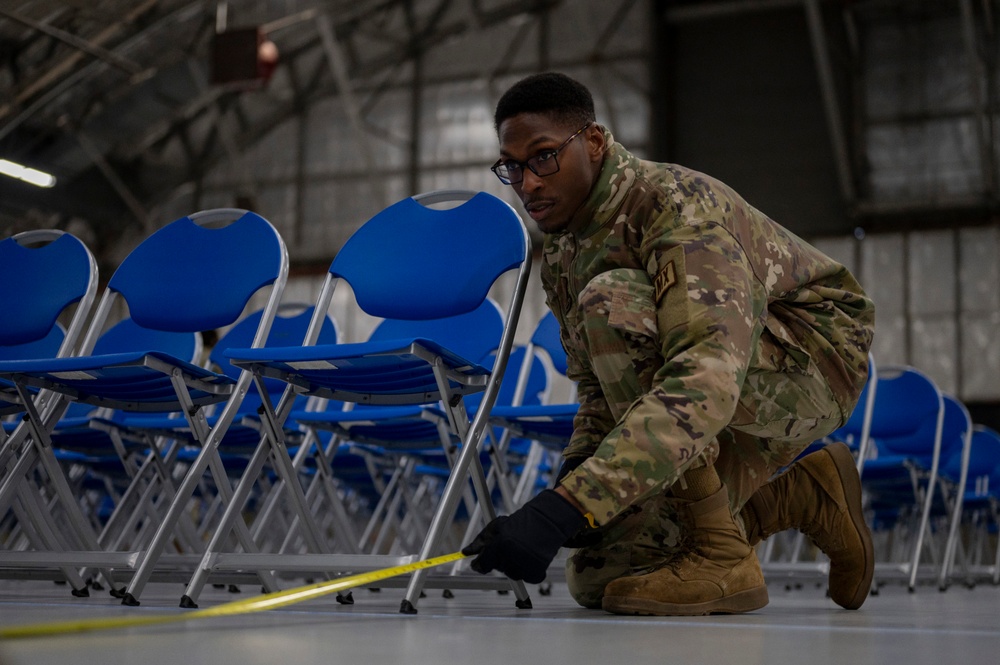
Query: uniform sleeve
x,y
706,300
593,420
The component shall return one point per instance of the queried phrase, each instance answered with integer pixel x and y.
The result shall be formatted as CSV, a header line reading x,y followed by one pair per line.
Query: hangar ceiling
x,y
116,98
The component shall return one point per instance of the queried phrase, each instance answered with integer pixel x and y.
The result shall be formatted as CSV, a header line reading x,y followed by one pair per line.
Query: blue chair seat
x,y
546,423
382,367
891,467
385,425
76,434
239,438
136,381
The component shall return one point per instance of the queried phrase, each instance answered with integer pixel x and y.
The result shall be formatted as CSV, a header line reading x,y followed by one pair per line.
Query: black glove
x,y
568,465
523,545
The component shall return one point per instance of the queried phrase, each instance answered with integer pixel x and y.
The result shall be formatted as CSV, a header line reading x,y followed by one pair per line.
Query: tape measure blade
x,y
269,601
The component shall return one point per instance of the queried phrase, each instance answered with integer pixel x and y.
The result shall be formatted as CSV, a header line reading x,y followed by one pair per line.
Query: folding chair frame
x,y
210,389
451,386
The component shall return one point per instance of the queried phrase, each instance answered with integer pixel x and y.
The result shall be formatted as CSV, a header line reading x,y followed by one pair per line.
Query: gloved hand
x,y
523,545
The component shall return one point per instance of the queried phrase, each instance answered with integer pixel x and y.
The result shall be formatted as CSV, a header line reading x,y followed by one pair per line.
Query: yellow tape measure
x,y
269,601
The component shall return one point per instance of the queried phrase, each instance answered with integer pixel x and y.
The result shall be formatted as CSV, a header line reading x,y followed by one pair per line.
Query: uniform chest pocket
x,y
630,300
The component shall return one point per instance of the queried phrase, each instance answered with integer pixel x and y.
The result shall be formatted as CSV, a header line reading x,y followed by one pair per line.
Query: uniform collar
x,y
617,175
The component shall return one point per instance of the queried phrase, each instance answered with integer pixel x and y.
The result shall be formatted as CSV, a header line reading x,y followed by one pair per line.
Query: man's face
x,y
553,199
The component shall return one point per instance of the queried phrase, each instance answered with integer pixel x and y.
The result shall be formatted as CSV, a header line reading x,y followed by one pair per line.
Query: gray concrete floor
x,y
798,626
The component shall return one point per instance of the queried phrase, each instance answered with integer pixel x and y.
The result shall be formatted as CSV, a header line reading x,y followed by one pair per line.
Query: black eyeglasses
x,y
544,163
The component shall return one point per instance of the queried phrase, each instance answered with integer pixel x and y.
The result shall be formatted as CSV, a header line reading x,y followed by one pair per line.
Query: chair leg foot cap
x,y
187,603
130,600
406,607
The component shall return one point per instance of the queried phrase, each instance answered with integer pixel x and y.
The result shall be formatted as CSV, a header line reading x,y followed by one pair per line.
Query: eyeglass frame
x,y
548,154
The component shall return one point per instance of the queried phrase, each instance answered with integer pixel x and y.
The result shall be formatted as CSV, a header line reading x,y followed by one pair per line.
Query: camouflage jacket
x,y
721,273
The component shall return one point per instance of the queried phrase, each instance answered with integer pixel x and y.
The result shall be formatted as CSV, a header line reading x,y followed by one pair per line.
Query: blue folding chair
x,y
907,430
241,437
413,262
46,273
243,440
956,443
404,436
982,499
414,446
471,335
81,429
197,273
124,479
244,437
82,441
409,427
969,472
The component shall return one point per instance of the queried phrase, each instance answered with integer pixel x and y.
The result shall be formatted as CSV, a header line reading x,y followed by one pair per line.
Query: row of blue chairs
x,y
125,458
229,470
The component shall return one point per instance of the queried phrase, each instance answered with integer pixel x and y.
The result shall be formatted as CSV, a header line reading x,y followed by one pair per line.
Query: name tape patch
x,y
666,278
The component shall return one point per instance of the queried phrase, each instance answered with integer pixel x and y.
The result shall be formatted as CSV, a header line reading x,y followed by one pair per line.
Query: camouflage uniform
x,y
699,331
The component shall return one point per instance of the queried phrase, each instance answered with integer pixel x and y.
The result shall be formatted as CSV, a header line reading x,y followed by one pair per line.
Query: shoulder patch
x,y
666,278
670,289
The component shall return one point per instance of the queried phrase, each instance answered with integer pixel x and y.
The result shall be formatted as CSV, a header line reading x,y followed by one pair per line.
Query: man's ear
x,y
596,145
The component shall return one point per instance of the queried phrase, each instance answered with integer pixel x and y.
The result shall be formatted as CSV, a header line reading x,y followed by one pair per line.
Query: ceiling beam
x,y
91,48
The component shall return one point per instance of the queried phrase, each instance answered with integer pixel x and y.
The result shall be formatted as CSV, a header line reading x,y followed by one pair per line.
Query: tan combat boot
x,y
820,495
719,574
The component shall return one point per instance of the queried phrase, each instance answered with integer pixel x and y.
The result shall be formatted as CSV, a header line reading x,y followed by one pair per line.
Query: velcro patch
x,y
664,279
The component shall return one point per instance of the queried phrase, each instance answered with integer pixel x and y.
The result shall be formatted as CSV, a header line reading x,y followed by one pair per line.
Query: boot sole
x,y
738,603
848,472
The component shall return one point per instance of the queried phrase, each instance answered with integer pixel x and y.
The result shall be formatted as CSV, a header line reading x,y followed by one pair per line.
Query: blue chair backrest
x,y
984,456
44,347
39,283
905,401
955,425
537,380
187,277
993,484
546,336
414,262
472,334
128,336
533,390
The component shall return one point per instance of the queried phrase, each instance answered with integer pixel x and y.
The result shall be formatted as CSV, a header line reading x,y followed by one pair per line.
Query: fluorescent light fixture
x,y
33,176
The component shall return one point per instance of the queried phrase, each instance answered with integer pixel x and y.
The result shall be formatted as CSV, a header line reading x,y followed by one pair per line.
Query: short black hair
x,y
550,93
